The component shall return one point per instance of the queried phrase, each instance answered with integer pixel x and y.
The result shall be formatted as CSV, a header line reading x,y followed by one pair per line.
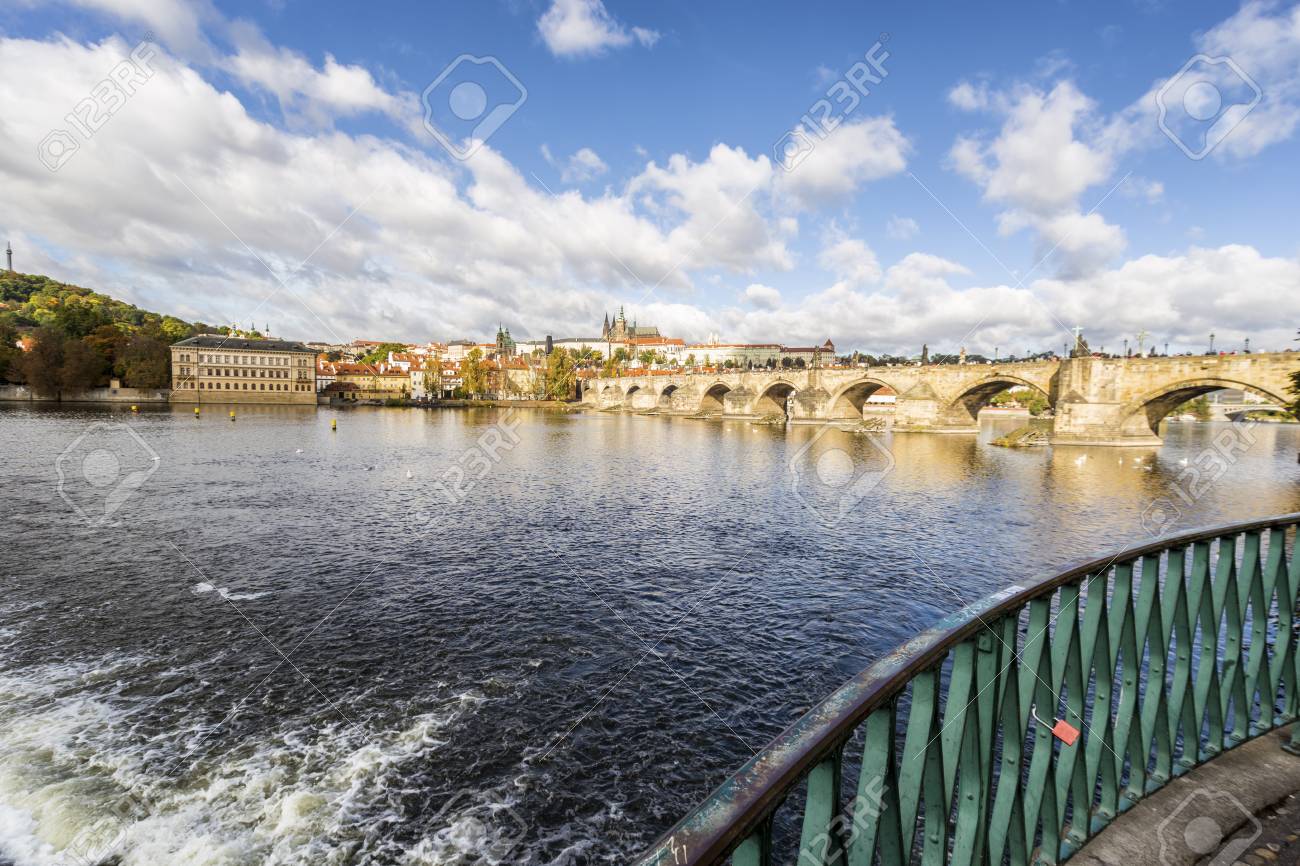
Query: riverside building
x,y
212,368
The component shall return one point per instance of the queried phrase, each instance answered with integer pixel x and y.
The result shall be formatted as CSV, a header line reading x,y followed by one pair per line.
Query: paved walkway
x,y
1272,838
1239,808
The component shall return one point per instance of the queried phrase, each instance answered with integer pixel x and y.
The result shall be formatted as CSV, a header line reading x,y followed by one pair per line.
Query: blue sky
x,y
1006,179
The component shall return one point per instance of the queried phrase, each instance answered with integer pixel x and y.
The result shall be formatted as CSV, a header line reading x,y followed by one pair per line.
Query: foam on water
x,y
203,587
79,783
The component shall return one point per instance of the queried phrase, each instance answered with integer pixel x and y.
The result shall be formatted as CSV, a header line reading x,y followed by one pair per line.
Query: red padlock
x,y
1061,729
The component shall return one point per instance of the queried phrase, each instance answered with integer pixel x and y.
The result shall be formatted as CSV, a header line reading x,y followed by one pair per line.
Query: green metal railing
x,y
1161,657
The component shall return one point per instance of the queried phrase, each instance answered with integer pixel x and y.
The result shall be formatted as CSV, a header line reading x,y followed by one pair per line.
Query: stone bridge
x,y
1095,401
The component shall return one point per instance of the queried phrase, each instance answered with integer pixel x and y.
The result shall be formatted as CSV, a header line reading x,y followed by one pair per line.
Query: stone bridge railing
x,y
1094,401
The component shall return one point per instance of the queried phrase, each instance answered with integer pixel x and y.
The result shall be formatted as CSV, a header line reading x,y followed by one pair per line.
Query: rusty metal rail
x,y
1139,666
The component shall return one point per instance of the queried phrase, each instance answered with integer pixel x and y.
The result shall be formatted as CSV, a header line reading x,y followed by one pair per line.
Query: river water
x,y
266,641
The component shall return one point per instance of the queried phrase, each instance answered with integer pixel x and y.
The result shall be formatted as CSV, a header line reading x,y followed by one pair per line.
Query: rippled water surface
x,y
287,647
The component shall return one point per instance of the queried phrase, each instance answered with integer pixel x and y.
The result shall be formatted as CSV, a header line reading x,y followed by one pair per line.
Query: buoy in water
x,y
135,408
196,411
232,414
334,423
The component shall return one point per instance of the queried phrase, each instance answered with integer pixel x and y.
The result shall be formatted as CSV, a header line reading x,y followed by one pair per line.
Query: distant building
x,y
213,368
811,356
619,331
372,381
715,354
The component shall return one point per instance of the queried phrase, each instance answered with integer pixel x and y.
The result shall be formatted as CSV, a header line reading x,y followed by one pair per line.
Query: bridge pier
x,y
738,403
644,399
920,410
1109,424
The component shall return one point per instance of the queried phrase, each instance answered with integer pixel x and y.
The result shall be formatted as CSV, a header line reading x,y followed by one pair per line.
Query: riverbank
x,y
112,394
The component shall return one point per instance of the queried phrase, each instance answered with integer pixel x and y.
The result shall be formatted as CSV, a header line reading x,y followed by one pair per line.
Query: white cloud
x,y
719,198
584,28
1232,290
902,228
849,259
854,153
1177,298
177,23
1038,166
1143,189
762,297
307,93
970,97
583,165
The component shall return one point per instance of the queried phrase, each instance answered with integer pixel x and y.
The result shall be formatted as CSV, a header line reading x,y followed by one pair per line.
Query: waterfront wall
x,y
23,394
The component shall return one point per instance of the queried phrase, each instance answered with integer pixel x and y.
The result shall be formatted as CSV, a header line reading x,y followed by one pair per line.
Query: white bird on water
x,y
297,451
1080,460
408,474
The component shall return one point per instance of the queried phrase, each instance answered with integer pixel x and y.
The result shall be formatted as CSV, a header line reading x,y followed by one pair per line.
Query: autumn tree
x,y
473,374
144,362
559,376
82,368
9,352
41,365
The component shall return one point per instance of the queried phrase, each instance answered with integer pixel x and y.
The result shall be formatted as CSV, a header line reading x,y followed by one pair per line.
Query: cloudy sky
x,y
884,174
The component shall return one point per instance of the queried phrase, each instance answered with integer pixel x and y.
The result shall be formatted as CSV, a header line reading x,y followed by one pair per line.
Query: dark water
x,y
286,645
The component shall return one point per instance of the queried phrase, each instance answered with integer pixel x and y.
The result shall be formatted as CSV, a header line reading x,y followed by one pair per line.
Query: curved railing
x,y
1159,657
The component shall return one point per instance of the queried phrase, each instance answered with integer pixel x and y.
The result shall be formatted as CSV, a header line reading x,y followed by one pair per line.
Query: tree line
x,y
76,339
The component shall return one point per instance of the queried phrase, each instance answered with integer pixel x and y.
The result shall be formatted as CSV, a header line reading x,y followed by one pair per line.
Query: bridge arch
x,y
1143,415
711,402
666,395
610,395
772,400
975,396
849,401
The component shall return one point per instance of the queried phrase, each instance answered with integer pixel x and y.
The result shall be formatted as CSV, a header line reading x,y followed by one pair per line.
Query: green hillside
x,y
81,338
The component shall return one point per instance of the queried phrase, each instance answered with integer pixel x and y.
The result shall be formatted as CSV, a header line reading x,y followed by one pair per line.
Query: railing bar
x,y
756,850
961,691
1150,634
1117,734
1006,818
1072,789
1037,665
1205,692
820,842
875,810
921,726
1233,694
1261,603
1277,586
